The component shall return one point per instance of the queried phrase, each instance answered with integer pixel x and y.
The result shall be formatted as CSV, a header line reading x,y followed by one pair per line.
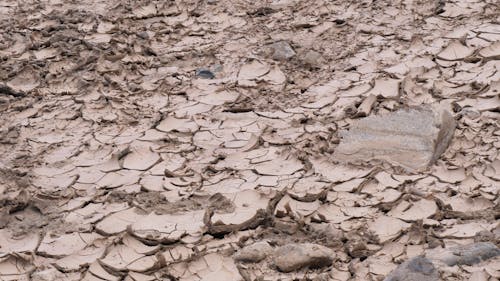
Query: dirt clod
x,y
296,256
254,253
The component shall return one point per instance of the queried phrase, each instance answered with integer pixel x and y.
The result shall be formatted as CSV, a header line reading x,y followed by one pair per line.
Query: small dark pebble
x,y
204,73
339,22
144,35
262,11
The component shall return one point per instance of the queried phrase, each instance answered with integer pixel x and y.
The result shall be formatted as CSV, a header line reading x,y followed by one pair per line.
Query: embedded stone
x,y
465,254
292,257
411,138
415,269
254,253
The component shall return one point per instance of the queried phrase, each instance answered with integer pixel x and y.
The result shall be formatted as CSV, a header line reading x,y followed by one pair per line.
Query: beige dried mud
x,y
455,51
53,245
249,207
420,210
211,267
168,228
119,161
387,228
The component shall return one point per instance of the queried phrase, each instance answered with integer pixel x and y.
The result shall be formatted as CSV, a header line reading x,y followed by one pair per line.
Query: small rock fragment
x,y
412,138
312,59
254,253
282,51
415,269
467,254
296,256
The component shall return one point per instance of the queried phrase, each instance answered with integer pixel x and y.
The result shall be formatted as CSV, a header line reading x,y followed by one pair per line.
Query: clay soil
x,y
154,140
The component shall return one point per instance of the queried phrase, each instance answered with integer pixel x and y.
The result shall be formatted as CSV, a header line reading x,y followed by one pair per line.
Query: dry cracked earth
x,y
197,140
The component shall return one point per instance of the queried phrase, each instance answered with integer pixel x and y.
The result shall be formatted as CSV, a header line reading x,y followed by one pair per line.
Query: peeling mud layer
x,y
195,140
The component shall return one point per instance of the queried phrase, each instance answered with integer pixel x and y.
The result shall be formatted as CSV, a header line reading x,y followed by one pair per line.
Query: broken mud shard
x,y
410,138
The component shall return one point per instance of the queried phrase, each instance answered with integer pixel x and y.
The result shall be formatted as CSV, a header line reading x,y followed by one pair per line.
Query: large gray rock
x,y
415,269
467,254
412,138
296,256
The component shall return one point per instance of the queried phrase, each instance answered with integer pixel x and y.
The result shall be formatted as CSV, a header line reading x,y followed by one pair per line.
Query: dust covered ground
x,y
154,140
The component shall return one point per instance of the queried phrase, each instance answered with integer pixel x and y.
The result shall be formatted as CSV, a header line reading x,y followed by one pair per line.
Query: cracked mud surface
x,y
195,140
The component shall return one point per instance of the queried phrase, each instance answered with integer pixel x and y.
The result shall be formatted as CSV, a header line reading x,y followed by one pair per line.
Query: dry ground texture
x,y
195,140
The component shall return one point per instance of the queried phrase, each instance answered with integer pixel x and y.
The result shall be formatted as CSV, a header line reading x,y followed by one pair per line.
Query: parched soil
x,y
195,140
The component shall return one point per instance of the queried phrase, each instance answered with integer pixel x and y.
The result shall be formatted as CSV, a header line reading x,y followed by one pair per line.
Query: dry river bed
x,y
196,139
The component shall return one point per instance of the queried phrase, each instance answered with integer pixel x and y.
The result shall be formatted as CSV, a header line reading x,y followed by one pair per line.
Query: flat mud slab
x,y
410,138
